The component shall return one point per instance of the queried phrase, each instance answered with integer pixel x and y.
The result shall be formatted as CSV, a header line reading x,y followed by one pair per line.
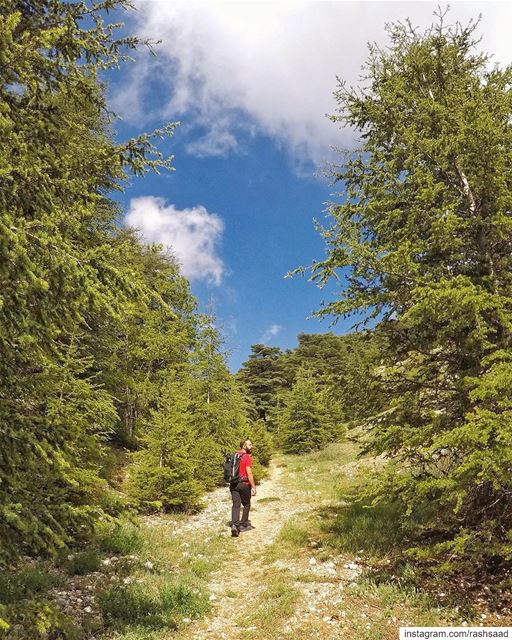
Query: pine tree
x,y
219,409
303,426
424,236
263,375
165,472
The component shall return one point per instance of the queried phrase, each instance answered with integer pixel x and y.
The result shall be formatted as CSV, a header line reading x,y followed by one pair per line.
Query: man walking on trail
x,y
242,491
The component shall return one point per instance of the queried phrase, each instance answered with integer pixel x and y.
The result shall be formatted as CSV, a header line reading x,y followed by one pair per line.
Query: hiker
x,y
242,491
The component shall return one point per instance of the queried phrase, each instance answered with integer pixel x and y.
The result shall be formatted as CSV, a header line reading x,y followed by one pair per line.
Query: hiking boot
x,y
234,532
246,527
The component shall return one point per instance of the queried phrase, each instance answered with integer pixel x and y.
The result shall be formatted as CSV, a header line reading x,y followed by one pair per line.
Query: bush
x,y
131,605
262,441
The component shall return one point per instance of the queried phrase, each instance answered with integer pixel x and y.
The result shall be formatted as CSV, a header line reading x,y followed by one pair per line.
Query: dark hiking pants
x,y
241,495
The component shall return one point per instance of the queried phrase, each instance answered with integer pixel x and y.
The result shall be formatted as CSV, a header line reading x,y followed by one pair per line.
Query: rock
x,y
212,597
149,565
88,609
312,561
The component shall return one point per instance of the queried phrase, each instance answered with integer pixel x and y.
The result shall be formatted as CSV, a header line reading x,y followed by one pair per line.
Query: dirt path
x,y
318,584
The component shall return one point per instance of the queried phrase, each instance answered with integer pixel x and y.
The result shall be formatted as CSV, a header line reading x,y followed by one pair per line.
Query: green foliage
x,y
263,375
93,324
219,408
164,473
344,367
60,269
262,442
25,583
25,609
302,424
423,236
40,619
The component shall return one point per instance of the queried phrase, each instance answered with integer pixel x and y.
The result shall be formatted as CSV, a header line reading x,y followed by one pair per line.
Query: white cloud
x,y
273,65
270,333
191,234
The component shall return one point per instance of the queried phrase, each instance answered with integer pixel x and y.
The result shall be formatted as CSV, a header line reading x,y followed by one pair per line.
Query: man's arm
x,y
250,477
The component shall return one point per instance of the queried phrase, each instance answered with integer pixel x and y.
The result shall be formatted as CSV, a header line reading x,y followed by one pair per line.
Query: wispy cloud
x,y
191,234
230,68
270,333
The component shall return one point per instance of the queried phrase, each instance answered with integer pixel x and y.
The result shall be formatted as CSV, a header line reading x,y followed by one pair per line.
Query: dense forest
x,y
102,347
112,383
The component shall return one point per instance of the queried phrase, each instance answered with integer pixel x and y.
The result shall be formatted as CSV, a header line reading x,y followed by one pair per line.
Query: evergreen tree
x,y
263,376
165,471
424,236
303,425
153,335
59,272
219,409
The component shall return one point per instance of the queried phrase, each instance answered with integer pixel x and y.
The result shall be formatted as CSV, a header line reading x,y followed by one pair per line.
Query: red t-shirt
x,y
245,461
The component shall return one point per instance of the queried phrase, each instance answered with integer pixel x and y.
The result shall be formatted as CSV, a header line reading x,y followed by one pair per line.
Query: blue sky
x,y
251,84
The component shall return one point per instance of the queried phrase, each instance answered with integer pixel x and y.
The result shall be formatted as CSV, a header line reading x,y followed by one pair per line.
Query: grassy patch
x,y
288,542
153,604
120,539
372,608
269,499
356,527
274,606
376,611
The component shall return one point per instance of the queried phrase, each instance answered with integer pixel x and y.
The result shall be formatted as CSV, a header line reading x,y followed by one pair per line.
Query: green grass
x,y
290,540
376,603
120,539
269,499
160,596
153,604
355,527
273,607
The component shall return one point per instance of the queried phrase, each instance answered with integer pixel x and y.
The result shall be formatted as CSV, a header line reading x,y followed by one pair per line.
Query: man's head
x,y
246,445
